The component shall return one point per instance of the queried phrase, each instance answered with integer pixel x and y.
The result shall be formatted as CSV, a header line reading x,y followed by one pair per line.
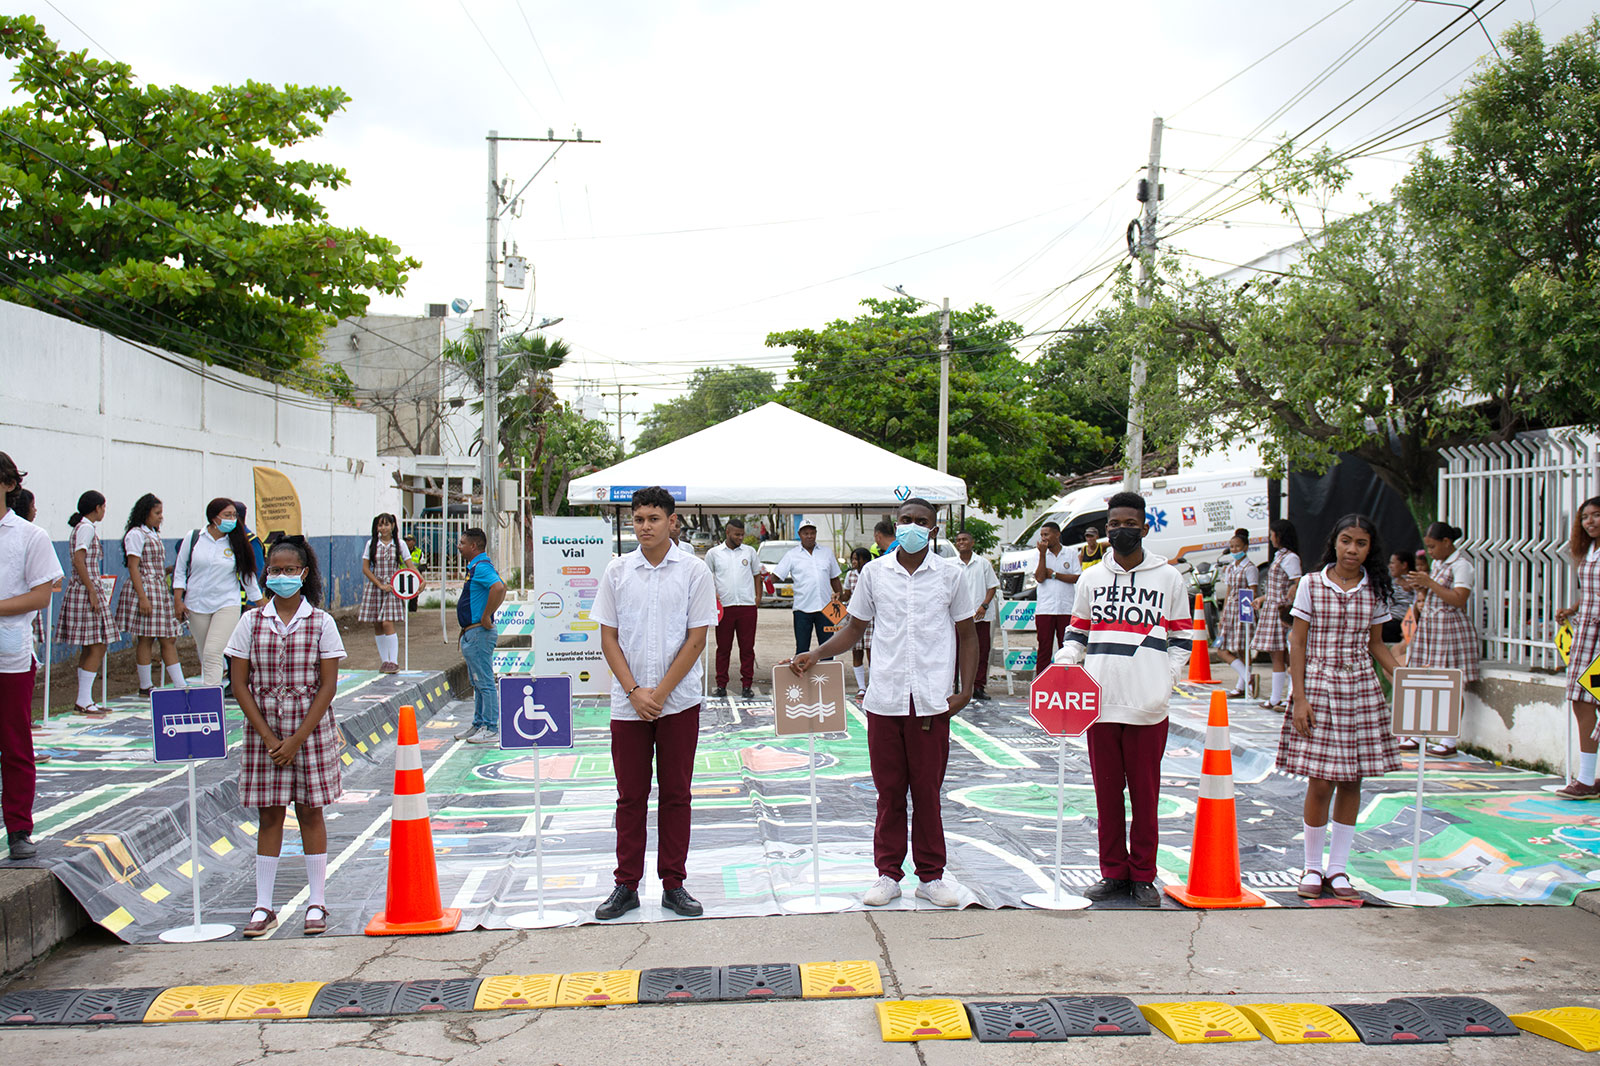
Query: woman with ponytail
x,y
144,609
1446,638
86,606
214,563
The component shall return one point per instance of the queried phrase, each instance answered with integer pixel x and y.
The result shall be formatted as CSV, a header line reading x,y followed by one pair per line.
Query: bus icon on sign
x,y
205,723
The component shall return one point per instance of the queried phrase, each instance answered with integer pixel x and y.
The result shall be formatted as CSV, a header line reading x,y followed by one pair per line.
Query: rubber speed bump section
x,y
193,1003
39,1007
1463,1015
1014,1022
923,1019
529,991
290,999
1395,1022
1577,1027
822,980
1299,1023
456,993
112,1006
681,984
1098,1015
1200,1022
599,989
354,999
772,980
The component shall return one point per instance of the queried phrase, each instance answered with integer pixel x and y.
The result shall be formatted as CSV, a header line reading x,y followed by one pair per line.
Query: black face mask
x,y
1124,541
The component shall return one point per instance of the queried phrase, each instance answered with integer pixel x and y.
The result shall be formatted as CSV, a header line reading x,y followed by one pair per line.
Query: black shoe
x,y
721,693
1107,888
748,693
623,899
676,899
979,694
22,846
1146,894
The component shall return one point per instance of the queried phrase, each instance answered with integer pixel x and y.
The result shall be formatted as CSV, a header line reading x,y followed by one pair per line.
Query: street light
x,y
545,323
944,371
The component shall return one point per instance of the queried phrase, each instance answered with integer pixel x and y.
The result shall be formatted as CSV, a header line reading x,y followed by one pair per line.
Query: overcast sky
x,y
765,166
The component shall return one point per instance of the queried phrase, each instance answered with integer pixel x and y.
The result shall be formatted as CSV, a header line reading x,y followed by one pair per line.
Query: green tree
x,y
163,214
877,377
715,395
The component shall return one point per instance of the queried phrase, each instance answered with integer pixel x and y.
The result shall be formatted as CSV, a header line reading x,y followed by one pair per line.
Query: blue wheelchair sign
x,y
188,724
536,712
1247,607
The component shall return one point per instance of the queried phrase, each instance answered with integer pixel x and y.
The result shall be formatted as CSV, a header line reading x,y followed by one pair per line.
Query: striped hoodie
x,y
1130,630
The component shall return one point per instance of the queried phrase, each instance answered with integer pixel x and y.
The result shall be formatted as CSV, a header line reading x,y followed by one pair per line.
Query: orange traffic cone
x,y
413,902
1200,653
1214,859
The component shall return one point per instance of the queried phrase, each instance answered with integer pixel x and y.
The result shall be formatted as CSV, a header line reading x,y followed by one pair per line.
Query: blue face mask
x,y
227,525
1239,555
284,585
912,538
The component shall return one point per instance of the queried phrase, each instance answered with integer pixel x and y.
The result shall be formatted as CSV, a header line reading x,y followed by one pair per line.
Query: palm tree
x,y
526,396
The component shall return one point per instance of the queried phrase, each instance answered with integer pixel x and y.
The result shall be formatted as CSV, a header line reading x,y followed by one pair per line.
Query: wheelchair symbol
x,y
533,714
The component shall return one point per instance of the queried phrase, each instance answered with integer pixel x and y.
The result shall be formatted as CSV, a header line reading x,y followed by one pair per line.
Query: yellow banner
x,y
277,504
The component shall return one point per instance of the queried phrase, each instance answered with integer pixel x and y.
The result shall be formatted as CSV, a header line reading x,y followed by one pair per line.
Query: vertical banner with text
x,y
277,504
569,555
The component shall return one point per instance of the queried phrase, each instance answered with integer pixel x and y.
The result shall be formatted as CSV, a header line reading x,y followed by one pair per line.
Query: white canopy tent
x,y
771,458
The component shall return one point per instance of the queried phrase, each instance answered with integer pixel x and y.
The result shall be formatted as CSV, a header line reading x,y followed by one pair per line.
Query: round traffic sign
x,y
407,584
1064,700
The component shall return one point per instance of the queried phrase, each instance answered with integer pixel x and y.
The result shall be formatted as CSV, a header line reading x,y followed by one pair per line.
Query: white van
x,y
1191,517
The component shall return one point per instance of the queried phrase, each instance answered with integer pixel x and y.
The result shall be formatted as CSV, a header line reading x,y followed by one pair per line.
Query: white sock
x,y
317,879
377,638
85,688
1315,834
266,876
1340,839
1279,683
861,678
144,674
394,647
1586,766
1244,675
175,672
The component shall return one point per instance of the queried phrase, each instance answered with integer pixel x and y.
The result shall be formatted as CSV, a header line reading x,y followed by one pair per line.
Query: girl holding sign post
x,y
1585,614
1283,575
1445,638
1239,574
85,609
381,557
1339,731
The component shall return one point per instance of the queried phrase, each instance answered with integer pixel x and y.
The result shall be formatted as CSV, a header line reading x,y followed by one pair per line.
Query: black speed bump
x,y
1395,1022
1463,1015
771,980
1014,1021
455,994
1099,1016
680,984
39,1007
354,999
111,1006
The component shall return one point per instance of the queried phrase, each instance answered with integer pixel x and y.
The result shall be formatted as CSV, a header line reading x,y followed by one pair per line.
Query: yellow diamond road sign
x,y
1590,678
1564,643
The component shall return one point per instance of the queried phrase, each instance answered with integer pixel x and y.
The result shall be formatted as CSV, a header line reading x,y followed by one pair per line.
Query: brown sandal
x,y
318,925
1306,891
260,926
94,710
1344,891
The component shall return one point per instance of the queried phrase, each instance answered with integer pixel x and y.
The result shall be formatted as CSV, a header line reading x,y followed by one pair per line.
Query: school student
x,y
1400,601
214,564
144,607
1584,547
381,557
1130,630
22,502
654,606
1446,637
862,649
1272,632
1058,571
1339,731
28,570
1238,573
85,609
982,584
734,566
285,672
921,616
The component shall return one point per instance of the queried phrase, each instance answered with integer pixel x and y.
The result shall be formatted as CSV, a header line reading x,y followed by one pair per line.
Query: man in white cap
x,y
815,574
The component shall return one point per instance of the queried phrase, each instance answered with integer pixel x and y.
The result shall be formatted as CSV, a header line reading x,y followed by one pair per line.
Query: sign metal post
x,y
406,583
811,703
1427,703
536,713
187,725
1065,701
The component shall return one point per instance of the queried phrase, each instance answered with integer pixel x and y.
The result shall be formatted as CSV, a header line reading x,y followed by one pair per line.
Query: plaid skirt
x,y
162,621
80,623
1231,631
380,605
1445,641
1585,646
312,779
1350,737
1271,633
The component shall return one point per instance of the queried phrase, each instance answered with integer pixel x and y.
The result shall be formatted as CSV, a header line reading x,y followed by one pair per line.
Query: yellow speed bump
x,y
823,980
1300,1023
924,1019
529,991
1200,1022
284,1000
193,1003
598,989
1577,1027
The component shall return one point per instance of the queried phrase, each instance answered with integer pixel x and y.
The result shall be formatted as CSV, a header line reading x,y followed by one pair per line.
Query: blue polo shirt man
x,y
481,596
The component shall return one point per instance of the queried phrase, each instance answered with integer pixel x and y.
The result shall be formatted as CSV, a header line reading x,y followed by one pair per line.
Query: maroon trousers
x,y
1052,633
1127,757
908,758
17,775
741,622
670,742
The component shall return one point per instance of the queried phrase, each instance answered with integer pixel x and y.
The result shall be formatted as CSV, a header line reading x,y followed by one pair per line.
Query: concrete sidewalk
x,y
1517,958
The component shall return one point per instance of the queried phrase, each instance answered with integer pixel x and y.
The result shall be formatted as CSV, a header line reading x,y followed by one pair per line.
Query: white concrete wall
x,y
1520,714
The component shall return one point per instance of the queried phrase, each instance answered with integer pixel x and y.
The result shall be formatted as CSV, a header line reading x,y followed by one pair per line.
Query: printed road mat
x,y
114,827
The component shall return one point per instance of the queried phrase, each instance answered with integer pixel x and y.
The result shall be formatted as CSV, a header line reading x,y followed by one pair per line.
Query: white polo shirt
x,y
27,560
913,616
1057,597
652,608
209,580
734,571
979,576
812,573
330,645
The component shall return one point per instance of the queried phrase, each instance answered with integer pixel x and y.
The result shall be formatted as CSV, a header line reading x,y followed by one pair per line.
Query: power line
x,y
536,48
1230,80
484,37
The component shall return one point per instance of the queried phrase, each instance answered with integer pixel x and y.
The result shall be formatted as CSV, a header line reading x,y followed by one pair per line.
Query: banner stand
x,y
1412,897
540,918
1055,899
818,903
47,636
199,931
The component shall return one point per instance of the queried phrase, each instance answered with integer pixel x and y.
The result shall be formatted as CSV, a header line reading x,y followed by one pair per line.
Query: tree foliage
x,y
715,394
163,214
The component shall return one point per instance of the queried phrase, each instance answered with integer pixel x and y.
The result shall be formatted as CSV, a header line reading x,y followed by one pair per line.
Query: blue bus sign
x,y
188,724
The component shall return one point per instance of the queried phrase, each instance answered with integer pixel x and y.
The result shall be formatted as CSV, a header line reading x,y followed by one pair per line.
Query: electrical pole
x,y
944,386
620,412
1150,196
491,360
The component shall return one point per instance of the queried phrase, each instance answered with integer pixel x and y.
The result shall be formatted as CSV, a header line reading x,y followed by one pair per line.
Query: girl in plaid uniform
x,y
1339,732
1445,639
1283,576
285,670
145,609
1585,550
85,611
1240,573
858,654
382,556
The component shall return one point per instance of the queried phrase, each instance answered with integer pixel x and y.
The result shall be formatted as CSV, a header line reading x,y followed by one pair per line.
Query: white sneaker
x,y
469,732
886,890
937,893
484,735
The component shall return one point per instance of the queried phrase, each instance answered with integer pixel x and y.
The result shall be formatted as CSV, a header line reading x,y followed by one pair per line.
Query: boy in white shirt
x,y
1058,571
